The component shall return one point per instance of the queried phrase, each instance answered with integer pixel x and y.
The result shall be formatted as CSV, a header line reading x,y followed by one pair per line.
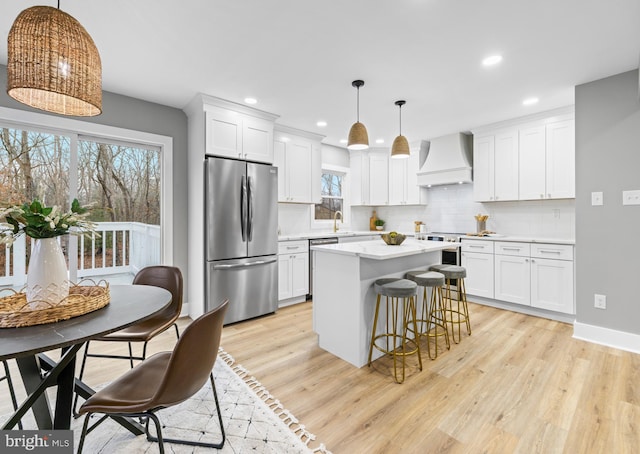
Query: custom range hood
x,y
448,161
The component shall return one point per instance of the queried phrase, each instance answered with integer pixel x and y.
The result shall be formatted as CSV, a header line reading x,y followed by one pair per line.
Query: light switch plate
x,y
597,199
631,197
600,301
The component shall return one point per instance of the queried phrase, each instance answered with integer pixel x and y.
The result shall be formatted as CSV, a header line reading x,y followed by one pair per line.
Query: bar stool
x,y
459,314
433,320
400,298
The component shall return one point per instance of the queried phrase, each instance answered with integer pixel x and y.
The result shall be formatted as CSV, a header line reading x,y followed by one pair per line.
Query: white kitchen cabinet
x,y
532,166
552,277
233,134
512,272
403,181
560,160
293,159
525,159
369,178
477,258
495,160
547,161
378,178
293,270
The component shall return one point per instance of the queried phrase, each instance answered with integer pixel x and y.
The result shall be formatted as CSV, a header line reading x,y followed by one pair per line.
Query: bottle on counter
x,y
372,221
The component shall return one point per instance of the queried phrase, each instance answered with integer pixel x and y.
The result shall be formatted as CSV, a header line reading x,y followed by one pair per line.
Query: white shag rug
x,y
254,421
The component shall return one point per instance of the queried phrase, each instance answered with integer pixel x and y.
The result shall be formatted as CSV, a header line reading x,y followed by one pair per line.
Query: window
x,y
332,195
125,178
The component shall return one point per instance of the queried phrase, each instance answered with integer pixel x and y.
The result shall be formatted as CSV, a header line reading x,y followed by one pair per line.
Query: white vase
x,y
47,280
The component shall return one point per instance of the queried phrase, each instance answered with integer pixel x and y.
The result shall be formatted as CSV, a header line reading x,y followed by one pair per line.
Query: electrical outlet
x,y
597,199
631,197
600,301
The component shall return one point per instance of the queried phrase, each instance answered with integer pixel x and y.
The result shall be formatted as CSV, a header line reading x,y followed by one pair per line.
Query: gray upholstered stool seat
x,y
395,287
400,319
454,277
426,278
451,271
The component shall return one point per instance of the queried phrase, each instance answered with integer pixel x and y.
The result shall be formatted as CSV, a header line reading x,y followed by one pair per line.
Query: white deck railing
x,y
118,248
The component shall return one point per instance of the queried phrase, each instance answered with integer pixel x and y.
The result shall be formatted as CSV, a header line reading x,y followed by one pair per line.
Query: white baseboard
x,y
608,337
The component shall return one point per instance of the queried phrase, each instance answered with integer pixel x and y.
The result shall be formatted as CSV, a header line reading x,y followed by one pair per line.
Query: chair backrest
x,y
192,359
166,277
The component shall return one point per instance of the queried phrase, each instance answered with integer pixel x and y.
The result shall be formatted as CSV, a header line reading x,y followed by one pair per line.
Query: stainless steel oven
x,y
450,256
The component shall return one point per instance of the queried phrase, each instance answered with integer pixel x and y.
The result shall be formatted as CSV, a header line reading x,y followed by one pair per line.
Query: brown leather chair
x,y
163,380
7,376
167,277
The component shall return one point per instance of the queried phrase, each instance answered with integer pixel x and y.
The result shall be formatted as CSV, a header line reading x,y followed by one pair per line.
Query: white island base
x,y
343,297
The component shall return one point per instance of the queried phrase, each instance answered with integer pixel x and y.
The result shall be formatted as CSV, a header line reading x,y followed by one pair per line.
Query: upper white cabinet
x,y
369,177
237,135
528,159
495,160
403,181
377,179
298,160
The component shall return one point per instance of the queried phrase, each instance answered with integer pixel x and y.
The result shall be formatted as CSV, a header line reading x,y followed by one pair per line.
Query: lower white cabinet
x,y
477,258
552,285
293,270
531,274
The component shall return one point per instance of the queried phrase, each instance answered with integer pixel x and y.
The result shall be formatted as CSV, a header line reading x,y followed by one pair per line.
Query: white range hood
x,y
448,161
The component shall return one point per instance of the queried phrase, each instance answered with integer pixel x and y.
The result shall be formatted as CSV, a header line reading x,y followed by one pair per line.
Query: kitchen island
x,y
344,299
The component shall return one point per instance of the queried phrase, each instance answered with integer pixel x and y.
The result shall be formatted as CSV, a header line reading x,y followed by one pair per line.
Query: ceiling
x,y
298,58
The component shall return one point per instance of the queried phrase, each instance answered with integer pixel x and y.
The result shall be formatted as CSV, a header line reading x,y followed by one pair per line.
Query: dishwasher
x,y
312,261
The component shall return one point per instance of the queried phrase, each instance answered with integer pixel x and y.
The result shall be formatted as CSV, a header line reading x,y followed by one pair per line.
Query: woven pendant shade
x,y
53,64
358,137
400,147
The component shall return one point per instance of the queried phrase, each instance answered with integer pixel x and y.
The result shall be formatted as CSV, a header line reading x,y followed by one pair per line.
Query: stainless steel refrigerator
x,y
241,237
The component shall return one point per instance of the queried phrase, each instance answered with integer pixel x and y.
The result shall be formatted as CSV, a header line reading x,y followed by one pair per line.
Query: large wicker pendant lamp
x,y
53,64
400,147
358,137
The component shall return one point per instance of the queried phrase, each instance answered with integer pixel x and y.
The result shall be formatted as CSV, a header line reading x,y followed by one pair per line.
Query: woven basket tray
x,y
16,312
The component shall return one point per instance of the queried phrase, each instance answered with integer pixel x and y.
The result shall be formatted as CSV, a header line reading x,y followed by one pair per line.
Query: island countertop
x,y
379,250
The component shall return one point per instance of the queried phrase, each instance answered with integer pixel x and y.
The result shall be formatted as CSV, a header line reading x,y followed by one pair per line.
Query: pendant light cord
x,y
358,104
58,4
400,113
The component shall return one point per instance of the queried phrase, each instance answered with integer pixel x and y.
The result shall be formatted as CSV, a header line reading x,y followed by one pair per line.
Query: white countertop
x,y
379,250
523,239
329,234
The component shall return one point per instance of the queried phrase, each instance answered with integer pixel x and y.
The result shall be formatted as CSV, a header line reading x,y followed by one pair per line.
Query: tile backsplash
x,y
452,209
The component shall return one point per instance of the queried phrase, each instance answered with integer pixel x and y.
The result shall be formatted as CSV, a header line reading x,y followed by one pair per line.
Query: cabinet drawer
x,y
484,246
293,247
552,251
512,248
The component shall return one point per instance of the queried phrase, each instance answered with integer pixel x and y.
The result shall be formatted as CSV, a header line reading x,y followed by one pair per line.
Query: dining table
x,y
128,305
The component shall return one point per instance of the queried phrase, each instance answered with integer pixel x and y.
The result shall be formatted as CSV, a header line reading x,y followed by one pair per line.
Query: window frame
x,y
75,129
346,205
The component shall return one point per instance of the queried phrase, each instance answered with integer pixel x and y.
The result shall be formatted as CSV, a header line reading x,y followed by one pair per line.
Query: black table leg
x,y
64,395
30,372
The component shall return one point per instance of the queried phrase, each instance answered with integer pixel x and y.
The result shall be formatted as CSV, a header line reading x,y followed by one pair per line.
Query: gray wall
x,y
607,242
130,113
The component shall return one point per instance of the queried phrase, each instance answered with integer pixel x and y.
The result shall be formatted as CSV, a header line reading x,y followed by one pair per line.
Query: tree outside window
x,y
332,196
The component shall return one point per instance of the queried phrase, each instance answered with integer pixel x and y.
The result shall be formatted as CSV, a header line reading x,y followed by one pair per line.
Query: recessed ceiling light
x,y
250,100
492,60
530,101
379,140
343,141
321,124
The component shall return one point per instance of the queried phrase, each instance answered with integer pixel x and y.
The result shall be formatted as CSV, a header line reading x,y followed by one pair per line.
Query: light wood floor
x,y
518,384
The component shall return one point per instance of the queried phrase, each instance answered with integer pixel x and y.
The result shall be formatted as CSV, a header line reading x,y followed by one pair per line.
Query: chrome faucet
x,y
335,219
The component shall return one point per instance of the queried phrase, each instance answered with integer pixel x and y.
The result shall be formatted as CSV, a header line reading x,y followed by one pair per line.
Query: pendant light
x,y
53,64
400,148
358,137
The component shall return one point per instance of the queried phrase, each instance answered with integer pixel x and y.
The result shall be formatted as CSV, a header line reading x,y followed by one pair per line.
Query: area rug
x,y
254,421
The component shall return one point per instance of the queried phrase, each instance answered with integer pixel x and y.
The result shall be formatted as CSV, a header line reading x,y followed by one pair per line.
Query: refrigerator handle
x,y
243,207
250,209
243,265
